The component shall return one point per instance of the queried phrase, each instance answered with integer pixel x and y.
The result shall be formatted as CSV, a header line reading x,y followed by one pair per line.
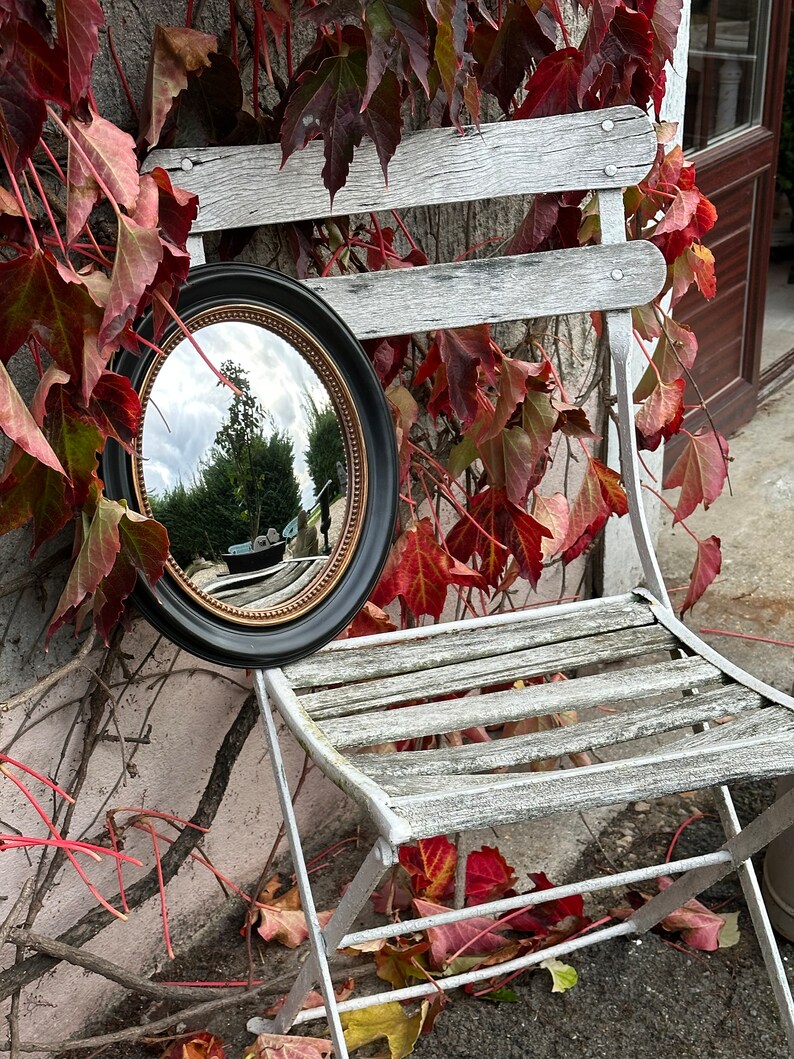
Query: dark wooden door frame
x,y
751,155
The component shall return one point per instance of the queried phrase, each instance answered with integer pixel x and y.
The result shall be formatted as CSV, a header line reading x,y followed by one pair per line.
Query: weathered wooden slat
x,y
607,647
455,644
770,721
495,289
584,735
480,801
241,186
499,707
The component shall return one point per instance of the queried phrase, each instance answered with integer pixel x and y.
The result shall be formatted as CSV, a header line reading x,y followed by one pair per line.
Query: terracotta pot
x,y
779,876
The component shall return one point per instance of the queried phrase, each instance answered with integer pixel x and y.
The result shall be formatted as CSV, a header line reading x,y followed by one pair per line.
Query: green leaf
x,y
563,976
501,996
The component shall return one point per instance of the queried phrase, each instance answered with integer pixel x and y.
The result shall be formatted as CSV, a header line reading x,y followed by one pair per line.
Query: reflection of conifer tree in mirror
x,y
259,460
326,447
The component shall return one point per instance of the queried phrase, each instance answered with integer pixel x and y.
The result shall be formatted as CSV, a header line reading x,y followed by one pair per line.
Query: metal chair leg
x,y
760,917
380,858
318,951
742,844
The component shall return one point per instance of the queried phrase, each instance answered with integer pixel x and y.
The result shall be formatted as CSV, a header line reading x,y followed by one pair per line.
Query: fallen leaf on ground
x,y
314,999
201,1045
387,1021
563,976
278,1046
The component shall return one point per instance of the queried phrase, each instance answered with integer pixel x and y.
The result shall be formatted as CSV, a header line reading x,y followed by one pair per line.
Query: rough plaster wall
x,y
193,710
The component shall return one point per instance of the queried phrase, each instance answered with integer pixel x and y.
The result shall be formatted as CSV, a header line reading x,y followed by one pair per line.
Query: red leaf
x,y
602,13
22,117
599,496
29,490
36,300
665,19
707,565
700,470
462,350
139,251
116,408
177,208
448,938
76,439
280,1046
201,1045
369,620
661,415
488,875
675,352
695,264
420,570
94,561
283,920
17,423
554,86
111,153
493,518
589,512
327,102
176,52
679,212
518,44
553,513
431,867
78,23
143,551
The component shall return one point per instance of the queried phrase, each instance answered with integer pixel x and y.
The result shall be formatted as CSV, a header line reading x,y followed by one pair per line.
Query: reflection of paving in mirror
x,y
252,485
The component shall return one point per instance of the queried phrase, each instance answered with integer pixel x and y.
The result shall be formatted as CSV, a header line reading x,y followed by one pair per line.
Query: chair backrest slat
x,y
558,282
242,186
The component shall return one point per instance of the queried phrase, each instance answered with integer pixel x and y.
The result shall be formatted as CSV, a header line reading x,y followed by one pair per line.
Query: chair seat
x,y
633,672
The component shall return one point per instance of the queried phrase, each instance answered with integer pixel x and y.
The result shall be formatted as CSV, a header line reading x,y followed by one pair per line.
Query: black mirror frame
x,y
169,607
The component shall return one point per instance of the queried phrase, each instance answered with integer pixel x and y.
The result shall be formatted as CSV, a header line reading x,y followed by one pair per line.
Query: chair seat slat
x,y
496,289
241,186
503,668
620,685
480,801
457,644
575,738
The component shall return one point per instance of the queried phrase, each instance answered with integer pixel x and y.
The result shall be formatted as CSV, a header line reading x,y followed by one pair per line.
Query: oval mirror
x,y
267,451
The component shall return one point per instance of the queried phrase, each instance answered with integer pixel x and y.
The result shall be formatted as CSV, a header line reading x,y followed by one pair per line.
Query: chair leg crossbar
x,y
695,875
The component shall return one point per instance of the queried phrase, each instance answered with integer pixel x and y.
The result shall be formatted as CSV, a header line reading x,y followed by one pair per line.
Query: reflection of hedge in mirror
x,y
326,448
204,517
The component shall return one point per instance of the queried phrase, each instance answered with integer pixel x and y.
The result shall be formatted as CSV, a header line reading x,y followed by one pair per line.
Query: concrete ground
x,y
639,999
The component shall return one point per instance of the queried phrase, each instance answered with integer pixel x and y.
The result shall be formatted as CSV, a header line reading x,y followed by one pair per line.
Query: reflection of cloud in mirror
x,y
188,405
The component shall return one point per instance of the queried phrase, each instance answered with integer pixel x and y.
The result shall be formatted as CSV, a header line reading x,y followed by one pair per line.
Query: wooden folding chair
x,y
349,696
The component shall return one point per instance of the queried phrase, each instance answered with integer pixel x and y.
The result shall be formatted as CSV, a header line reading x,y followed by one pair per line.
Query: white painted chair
x,y
335,702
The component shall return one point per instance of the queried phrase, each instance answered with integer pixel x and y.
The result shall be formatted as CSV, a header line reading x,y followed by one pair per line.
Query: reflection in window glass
x,y
727,67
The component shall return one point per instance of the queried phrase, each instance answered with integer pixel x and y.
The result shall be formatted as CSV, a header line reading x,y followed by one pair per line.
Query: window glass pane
x,y
727,67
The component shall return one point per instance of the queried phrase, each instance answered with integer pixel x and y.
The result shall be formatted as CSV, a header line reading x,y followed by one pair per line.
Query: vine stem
x,y
671,509
19,197
122,77
56,833
48,210
191,339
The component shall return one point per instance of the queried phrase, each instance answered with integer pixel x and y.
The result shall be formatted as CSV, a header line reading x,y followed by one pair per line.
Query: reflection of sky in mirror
x,y
188,405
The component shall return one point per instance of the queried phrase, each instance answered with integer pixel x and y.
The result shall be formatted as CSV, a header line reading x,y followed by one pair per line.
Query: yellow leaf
x,y
387,1020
